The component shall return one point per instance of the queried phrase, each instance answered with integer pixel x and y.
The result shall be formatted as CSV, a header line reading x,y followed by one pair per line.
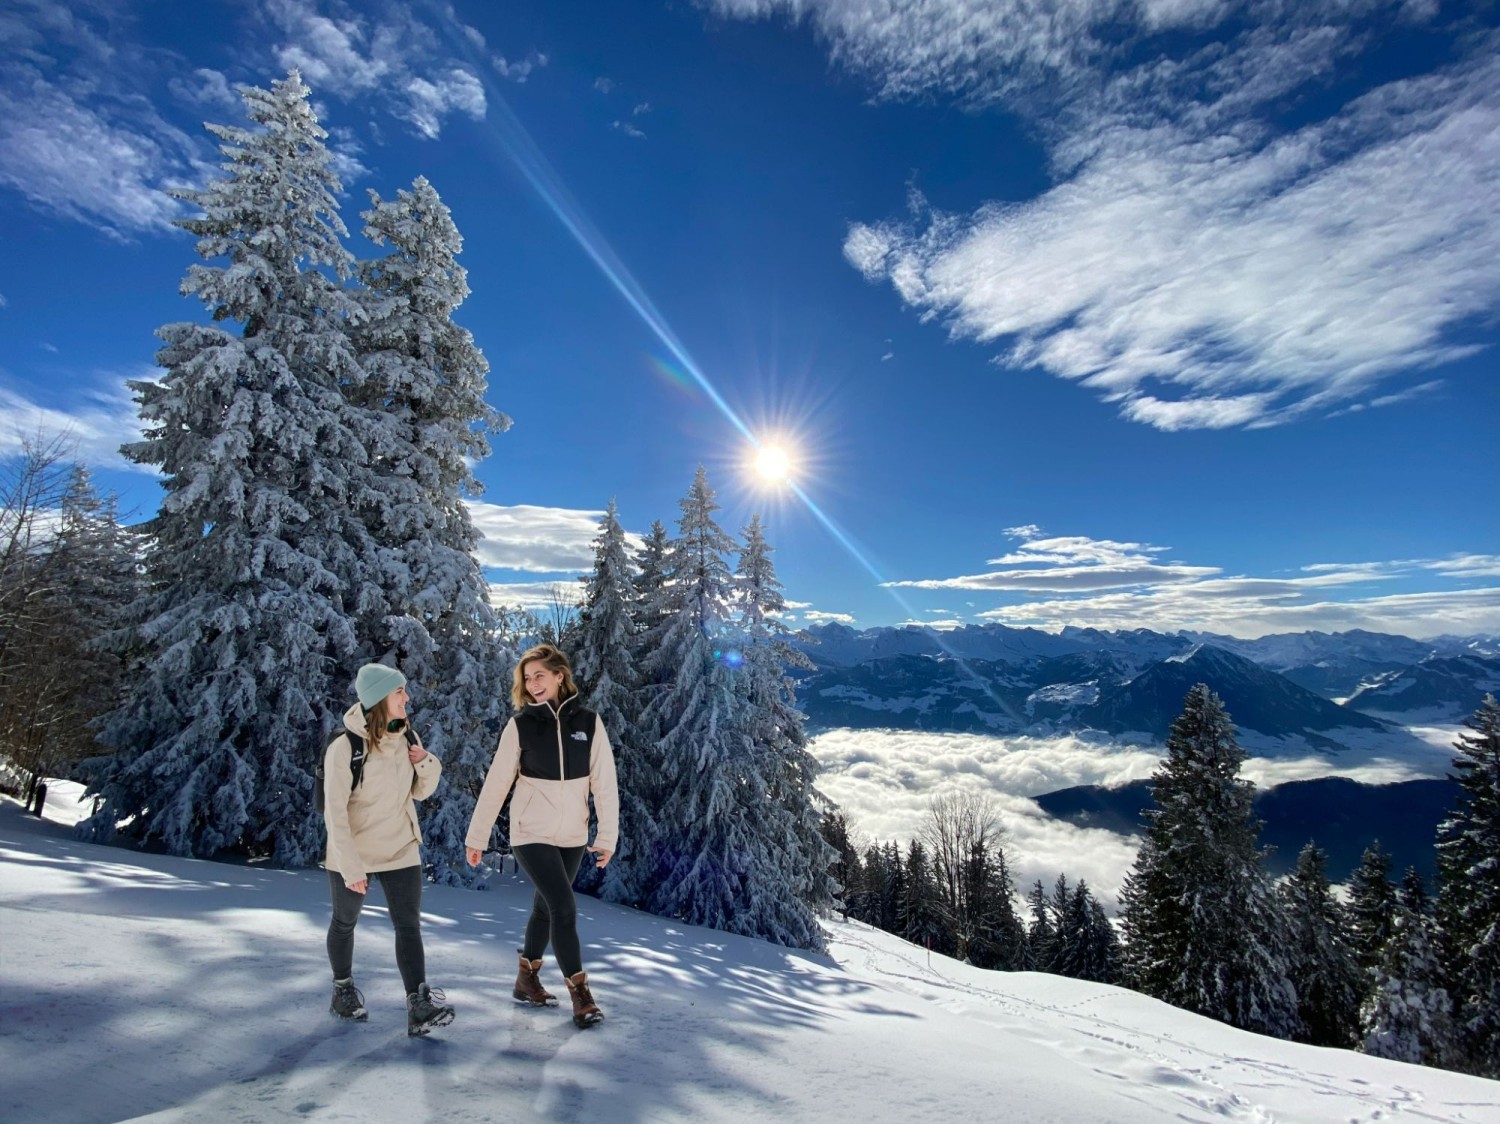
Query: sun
x,y
773,464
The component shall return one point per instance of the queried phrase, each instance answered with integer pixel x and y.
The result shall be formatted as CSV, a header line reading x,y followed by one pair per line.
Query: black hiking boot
x,y
425,1010
347,1002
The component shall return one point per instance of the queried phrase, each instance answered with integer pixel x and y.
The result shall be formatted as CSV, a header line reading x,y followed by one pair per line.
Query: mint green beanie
x,y
375,681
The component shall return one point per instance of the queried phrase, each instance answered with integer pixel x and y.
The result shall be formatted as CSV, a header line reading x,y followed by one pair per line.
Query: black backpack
x,y
357,755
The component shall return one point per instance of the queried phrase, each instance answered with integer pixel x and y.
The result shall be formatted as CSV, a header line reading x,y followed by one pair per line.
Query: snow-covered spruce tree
x,y
604,666
712,822
892,888
1468,904
1203,923
632,877
1324,970
424,604
1408,1016
846,872
1372,908
882,885
1104,954
1041,933
1412,893
996,936
650,614
922,919
800,882
246,634
1062,939
1087,947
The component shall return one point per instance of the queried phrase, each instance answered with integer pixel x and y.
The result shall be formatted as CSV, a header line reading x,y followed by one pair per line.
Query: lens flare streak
x,y
516,145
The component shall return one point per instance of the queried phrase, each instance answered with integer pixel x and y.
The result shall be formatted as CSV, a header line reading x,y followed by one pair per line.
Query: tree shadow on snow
x,y
201,989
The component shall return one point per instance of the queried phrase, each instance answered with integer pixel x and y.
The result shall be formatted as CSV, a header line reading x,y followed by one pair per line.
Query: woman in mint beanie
x,y
373,830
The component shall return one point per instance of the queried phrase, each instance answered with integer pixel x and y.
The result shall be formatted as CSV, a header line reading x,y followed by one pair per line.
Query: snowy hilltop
x,y
147,986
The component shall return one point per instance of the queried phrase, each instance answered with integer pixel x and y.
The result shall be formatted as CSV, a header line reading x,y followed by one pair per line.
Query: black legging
x,y
403,900
554,914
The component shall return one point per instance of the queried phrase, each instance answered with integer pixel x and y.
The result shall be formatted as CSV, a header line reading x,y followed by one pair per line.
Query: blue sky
x,y
1166,313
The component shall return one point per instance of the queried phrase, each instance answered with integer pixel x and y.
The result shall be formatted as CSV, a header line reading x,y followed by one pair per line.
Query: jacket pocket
x,y
533,818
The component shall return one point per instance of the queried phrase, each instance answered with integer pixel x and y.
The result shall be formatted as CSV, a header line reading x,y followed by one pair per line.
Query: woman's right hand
x,y
473,854
361,886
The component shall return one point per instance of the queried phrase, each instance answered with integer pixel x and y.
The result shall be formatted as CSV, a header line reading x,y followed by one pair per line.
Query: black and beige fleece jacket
x,y
556,759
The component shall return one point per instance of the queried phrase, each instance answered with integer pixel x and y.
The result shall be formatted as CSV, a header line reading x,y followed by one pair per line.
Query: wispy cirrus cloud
x,y
387,53
76,139
1068,563
1198,261
1419,615
208,88
1121,585
99,416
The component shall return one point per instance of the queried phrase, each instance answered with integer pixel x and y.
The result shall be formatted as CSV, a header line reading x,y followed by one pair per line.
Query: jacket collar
x,y
544,709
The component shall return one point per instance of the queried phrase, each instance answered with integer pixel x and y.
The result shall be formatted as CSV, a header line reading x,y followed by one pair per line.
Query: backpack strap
x,y
359,751
357,755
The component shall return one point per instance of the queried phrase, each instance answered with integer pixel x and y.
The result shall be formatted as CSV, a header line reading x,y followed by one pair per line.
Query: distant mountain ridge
x,y
1310,690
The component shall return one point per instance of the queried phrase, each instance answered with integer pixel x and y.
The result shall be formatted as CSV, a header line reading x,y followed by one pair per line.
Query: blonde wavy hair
x,y
553,660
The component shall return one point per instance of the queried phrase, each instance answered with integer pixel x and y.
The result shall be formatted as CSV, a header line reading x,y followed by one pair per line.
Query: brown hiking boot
x,y
529,989
585,1011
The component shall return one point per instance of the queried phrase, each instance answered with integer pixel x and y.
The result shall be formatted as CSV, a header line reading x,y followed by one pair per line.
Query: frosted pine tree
x,y
424,605
1103,956
845,871
1204,926
650,566
1468,904
1088,948
1324,970
998,938
246,631
798,880
711,825
1041,933
1409,1016
604,666
921,915
633,876
1372,907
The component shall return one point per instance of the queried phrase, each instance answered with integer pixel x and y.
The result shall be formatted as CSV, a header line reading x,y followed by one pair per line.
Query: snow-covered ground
x,y
144,986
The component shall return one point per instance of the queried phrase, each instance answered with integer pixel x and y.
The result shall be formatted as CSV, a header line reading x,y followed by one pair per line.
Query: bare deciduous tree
x,y
955,825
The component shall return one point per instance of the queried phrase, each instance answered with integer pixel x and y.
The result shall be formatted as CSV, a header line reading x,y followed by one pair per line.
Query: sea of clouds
x,y
885,780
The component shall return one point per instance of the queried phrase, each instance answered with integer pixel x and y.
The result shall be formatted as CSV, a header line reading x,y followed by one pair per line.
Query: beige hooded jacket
x,y
374,827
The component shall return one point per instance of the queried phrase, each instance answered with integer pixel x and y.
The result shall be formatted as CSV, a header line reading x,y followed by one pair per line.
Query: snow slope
x,y
144,986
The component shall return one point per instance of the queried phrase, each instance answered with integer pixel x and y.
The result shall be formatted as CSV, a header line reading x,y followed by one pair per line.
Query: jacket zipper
x,y
562,772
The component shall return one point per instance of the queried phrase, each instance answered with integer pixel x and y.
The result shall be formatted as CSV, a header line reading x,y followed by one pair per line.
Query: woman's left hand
x,y
415,753
601,858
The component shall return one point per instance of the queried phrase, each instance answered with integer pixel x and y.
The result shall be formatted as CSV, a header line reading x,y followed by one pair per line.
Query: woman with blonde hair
x,y
556,754
372,775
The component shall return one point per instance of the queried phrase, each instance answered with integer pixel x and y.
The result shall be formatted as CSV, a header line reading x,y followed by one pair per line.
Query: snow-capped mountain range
x,y
1308,691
